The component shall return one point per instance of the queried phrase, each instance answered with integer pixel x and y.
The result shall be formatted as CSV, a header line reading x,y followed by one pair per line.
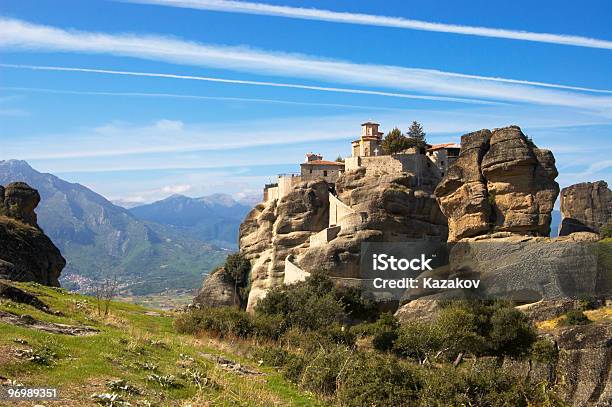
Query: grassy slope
x,y
129,338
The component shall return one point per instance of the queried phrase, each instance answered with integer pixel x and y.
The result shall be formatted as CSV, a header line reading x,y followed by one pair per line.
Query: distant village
x,y
367,152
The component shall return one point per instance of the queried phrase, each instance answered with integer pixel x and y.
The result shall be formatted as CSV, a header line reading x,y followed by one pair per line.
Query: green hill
x,y
132,356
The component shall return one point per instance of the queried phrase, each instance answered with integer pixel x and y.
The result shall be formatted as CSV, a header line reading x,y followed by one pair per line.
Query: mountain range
x,y
214,218
98,238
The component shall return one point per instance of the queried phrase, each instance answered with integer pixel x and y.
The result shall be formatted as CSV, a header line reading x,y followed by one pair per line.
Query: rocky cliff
x,y
501,182
585,207
26,253
383,204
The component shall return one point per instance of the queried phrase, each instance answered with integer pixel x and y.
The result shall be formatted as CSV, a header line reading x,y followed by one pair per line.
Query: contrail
x,y
196,97
248,82
377,20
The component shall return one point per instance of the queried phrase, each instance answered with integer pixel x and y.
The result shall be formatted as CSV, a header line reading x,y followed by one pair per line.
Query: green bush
x,y
383,341
273,356
418,340
511,332
544,351
483,385
309,305
576,317
606,231
321,369
378,380
324,338
222,321
587,304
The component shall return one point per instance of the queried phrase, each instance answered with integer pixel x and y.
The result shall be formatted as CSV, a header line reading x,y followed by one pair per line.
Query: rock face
x,y
585,207
276,229
218,291
386,205
501,182
524,269
18,202
26,253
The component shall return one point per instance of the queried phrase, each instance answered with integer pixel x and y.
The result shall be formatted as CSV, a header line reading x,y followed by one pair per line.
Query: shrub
x,y
544,351
378,380
587,304
355,306
273,356
268,326
321,369
223,321
576,317
324,338
606,231
482,385
511,332
309,305
383,341
418,340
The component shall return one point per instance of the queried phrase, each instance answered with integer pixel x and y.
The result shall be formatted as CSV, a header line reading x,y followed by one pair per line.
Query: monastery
x,y
366,152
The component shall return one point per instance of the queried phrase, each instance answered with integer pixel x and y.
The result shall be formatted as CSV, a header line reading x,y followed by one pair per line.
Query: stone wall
x,y
393,164
337,210
270,194
324,236
293,274
286,183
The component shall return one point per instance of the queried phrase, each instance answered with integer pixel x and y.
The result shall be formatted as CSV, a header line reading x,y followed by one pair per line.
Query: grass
x,y
136,350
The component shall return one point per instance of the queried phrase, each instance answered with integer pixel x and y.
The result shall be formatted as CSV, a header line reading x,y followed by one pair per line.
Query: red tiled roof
x,y
445,145
322,162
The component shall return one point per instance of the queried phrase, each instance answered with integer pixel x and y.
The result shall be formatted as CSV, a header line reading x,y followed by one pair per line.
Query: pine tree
x,y
416,131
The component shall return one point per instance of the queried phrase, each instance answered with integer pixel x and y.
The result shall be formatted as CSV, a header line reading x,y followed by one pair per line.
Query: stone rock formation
x,y
217,291
585,207
18,202
524,269
273,230
501,182
26,253
384,205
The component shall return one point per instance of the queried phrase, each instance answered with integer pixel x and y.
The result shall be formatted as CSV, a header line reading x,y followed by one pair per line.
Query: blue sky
x,y
205,96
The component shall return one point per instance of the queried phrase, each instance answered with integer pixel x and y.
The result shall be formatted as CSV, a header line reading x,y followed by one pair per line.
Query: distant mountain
x,y
99,238
214,218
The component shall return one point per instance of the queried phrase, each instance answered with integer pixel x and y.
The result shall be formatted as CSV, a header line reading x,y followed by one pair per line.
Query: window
x,y
325,173
310,171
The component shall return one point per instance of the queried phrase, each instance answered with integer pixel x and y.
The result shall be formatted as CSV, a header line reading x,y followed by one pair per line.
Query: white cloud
x,y
381,21
175,189
248,82
20,35
200,97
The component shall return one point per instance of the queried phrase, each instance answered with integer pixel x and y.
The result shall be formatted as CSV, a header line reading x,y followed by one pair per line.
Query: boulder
x,y
501,182
585,207
218,290
19,201
26,253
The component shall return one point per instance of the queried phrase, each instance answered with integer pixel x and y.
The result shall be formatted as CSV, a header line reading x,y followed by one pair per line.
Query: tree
x,y
105,291
416,132
395,141
237,267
